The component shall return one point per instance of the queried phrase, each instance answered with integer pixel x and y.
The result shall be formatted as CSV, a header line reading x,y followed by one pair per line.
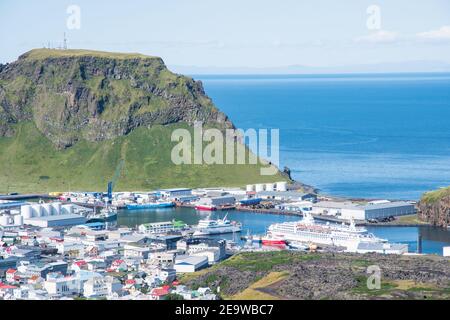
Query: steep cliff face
x,y
76,94
434,207
68,117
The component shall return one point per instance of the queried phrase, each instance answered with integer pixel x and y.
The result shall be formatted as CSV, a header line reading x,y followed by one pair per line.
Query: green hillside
x,y
30,163
67,118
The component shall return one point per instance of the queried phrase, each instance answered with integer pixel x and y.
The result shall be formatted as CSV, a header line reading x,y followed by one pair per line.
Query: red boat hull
x,y
271,242
205,208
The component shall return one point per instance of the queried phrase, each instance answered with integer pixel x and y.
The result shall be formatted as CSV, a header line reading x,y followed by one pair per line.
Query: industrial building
x,y
371,210
287,196
175,193
218,201
50,215
184,263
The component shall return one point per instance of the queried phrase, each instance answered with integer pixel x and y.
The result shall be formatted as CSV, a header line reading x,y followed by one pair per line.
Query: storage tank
x,y
282,186
56,208
26,211
37,210
250,187
46,209
18,220
269,187
259,187
67,209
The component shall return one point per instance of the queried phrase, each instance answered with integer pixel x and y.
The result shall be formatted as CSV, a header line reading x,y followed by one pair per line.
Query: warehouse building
x,y
371,210
287,196
186,263
175,193
218,201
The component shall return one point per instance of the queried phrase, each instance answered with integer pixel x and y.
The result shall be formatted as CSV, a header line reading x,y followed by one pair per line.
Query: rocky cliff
x,y
77,94
68,117
434,207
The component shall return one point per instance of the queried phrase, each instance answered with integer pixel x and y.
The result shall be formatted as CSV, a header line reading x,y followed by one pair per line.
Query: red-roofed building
x,y
160,293
6,289
119,265
11,275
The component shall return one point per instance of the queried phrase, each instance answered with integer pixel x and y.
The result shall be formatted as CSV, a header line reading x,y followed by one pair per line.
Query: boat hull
x,y
205,208
150,206
208,232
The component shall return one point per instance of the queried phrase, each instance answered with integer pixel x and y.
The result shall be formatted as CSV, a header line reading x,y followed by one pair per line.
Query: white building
x,y
374,210
218,201
446,251
101,287
131,251
190,263
176,193
383,248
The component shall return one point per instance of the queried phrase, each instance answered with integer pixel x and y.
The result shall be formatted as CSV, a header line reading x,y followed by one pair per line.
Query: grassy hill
x,y
67,118
30,163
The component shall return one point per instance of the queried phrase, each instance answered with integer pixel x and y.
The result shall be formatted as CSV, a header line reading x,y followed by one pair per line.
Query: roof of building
x,y
357,206
189,260
292,194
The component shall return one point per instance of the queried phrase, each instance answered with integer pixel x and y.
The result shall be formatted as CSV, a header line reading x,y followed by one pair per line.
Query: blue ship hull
x,y
150,206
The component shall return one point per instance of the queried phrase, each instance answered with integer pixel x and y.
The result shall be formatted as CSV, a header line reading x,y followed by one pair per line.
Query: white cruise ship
x,y
308,231
210,227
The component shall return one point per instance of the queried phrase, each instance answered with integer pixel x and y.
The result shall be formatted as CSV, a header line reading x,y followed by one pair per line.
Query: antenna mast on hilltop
x,y
65,42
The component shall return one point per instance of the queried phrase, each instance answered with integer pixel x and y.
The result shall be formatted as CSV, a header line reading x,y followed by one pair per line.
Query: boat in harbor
x,y
270,240
150,205
108,213
163,227
205,207
308,231
220,226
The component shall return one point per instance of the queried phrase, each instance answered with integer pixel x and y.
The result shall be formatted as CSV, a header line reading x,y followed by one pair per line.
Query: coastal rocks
x,y
434,208
331,276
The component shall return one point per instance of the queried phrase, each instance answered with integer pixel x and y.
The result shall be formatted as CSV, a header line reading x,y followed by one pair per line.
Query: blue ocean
x,y
373,136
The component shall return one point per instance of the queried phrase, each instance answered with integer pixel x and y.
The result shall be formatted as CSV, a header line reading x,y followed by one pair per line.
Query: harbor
x,y
137,245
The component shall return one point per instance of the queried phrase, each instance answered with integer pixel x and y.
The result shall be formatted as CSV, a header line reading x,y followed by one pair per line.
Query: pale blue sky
x,y
236,33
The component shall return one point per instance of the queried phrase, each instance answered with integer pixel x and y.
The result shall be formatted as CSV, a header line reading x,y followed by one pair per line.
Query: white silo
x,y
18,220
67,209
26,211
259,187
282,186
269,186
46,209
250,187
37,210
56,208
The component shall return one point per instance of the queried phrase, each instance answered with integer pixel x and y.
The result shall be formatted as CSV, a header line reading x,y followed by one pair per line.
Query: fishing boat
x,y
205,207
270,240
150,205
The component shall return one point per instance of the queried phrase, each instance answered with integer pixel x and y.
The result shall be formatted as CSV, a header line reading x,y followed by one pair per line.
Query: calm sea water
x,y
433,239
373,136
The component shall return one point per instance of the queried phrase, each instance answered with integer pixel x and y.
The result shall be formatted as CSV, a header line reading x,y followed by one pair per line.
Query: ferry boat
x,y
220,226
163,227
205,207
150,205
308,231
